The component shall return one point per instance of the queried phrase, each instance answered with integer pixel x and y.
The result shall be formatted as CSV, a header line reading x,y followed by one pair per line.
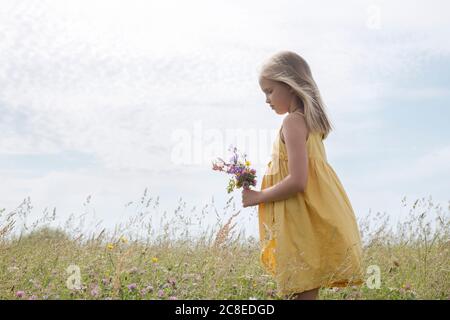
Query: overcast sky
x,y
107,98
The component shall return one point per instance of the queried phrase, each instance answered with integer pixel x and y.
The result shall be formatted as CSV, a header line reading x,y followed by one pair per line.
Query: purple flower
x,y
161,293
132,286
94,291
20,294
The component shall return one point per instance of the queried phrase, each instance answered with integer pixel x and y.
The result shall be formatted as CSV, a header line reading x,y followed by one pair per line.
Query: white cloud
x,y
434,164
116,81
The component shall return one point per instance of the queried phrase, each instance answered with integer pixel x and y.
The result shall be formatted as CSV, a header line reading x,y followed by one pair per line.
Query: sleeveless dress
x,y
310,239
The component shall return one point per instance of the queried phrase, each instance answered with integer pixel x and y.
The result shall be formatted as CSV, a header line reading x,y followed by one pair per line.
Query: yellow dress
x,y
310,239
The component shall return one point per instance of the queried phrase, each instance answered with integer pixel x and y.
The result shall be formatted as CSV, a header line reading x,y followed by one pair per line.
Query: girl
x,y
308,231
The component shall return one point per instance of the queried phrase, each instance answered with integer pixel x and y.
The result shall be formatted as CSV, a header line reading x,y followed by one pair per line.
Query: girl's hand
x,y
250,197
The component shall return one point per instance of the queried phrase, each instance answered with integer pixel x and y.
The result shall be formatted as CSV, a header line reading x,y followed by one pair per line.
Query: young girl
x,y
308,231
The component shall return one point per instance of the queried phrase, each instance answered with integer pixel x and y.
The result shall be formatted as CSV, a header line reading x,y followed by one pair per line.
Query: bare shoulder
x,y
294,125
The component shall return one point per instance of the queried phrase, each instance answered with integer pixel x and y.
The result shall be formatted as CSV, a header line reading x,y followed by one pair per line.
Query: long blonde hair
x,y
291,69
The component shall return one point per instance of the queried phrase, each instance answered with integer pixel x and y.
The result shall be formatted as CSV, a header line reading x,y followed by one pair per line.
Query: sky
x,y
102,100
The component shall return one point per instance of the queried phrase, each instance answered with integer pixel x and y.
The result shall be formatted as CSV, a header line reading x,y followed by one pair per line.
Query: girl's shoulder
x,y
293,116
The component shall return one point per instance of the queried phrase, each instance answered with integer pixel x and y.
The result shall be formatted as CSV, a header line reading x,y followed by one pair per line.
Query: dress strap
x,y
280,133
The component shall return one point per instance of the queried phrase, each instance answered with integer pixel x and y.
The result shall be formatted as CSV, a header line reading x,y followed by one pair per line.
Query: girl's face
x,y
278,95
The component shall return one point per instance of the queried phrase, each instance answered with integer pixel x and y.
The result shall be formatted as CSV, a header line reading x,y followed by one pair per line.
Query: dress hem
x,y
340,284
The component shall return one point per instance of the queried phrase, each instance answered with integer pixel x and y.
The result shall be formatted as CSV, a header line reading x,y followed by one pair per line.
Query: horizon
x,y
94,102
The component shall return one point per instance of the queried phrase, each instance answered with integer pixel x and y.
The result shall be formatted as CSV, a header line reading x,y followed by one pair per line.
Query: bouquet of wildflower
x,y
239,166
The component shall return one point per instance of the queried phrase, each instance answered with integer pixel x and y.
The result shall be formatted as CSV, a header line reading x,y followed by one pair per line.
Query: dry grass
x,y
132,262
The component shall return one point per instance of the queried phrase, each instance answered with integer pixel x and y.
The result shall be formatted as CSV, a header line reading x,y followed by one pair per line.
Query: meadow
x,y
40,261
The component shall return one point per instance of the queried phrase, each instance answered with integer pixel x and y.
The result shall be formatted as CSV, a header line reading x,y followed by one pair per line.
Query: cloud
x,y
116,82
433,164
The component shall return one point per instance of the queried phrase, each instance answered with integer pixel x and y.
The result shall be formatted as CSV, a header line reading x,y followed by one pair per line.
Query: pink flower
x,y
172,281
20,294
173,298
161,293
217,167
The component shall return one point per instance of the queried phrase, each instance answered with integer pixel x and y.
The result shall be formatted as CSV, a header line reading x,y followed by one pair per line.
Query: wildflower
x,y
20,294
94,291
143,291
161,293
133,270
172,281
110,246
33,297
154,259
173,298
123,239
217,166
244,176
132,286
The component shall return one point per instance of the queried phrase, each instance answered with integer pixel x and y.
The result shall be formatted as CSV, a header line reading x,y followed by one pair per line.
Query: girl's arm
x,y
282,190
295,134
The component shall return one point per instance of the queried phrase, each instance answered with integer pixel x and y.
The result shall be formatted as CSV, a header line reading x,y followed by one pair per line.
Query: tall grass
x,y
135,262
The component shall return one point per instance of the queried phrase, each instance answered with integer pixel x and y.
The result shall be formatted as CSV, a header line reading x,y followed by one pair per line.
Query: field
x,y
43,262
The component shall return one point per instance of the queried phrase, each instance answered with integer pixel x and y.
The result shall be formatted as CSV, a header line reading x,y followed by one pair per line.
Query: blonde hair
x,y
291,69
